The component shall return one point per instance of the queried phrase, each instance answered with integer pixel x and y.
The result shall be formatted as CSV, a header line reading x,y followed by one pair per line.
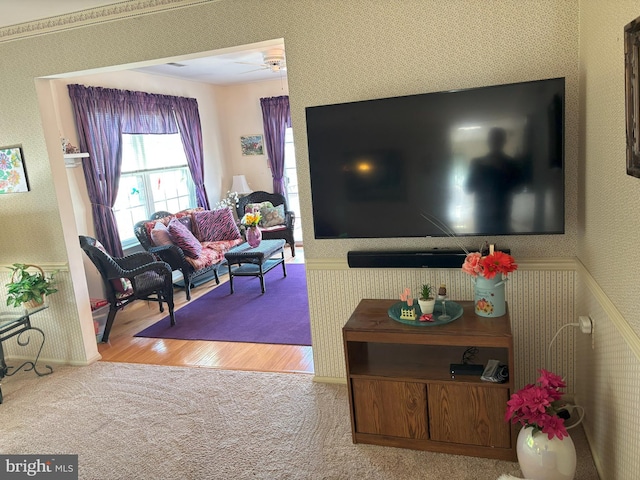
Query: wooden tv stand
x,y
401,391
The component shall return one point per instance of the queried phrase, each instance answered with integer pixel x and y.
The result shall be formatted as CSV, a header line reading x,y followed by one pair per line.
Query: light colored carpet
x,y
130,421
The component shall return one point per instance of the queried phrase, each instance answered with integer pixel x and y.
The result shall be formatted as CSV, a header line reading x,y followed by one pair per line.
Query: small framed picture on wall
x,y
632,95
252,144
13,176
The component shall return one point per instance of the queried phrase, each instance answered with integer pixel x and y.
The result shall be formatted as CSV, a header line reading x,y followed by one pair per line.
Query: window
x,y
291,179
154,177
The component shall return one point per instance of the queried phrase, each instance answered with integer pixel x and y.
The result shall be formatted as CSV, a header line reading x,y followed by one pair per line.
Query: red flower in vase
x,y
490,265
537,406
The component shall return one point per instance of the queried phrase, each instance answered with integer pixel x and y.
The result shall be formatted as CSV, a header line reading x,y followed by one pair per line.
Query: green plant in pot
x,y
426,301
28,288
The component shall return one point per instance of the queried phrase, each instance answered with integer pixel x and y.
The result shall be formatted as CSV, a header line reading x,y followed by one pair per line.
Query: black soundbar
x,y
430,258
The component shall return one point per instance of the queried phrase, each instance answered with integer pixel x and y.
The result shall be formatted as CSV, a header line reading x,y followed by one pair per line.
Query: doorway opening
x,y
220,170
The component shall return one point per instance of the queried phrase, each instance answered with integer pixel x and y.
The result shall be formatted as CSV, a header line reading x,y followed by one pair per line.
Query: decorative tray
x,y
454,310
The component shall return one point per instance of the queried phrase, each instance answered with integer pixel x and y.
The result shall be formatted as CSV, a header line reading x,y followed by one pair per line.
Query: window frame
x,y
148,202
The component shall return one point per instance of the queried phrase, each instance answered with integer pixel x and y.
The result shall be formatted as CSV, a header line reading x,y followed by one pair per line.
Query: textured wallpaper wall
x,y
337,51
57,322
609,220
607,379
401,48
540,301
342,51
608,376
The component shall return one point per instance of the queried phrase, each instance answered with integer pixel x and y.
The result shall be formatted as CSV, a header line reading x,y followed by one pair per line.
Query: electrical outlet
x,y
586,326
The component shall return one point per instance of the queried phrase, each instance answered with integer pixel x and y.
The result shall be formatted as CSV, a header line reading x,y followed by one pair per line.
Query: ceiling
x,y
244,64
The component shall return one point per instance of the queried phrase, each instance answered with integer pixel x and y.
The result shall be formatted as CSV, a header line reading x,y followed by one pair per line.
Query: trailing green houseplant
x,y
29,288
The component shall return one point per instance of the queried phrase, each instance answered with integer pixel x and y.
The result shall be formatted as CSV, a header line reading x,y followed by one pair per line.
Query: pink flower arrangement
x,y
538,405
489,266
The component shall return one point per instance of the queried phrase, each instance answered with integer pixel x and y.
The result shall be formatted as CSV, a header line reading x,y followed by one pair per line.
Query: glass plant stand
x,y
17,322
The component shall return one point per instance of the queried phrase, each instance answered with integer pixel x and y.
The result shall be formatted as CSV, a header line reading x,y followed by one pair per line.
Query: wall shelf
x,y
72,160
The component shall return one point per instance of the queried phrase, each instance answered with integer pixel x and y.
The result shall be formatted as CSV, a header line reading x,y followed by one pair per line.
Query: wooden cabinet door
x,y
397,409
472,415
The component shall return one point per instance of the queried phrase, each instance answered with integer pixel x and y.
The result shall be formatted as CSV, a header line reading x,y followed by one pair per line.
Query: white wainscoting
x,y
540,296
64,342
608,382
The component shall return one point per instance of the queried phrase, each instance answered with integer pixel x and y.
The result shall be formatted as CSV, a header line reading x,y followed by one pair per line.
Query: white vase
x,y
543,459
427,306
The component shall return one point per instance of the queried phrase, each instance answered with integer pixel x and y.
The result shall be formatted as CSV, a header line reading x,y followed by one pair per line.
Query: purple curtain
x,y
276,117
188,118
98,114
102,115
147,113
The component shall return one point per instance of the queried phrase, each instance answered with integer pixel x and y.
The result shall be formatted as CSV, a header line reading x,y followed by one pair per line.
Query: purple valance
x,y
102,115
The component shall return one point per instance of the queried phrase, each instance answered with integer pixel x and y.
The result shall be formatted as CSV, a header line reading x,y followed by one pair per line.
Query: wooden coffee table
x,y
255,262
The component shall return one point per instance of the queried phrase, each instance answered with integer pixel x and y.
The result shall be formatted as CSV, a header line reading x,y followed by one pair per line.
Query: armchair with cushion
x,y
277,220
135,277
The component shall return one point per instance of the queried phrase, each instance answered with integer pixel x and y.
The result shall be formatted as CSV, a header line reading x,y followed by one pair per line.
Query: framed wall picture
x,y
13,175
632,95
252,144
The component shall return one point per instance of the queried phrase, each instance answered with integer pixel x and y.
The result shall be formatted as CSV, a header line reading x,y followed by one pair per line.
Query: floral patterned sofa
x,y
193,241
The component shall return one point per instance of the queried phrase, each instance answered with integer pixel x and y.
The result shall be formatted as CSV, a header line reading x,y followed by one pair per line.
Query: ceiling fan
x,y
273,60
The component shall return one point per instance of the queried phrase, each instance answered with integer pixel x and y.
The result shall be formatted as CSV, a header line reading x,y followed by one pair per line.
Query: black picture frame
x,y
632,95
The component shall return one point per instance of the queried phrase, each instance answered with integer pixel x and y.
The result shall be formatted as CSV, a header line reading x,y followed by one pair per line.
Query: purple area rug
x,y
279,316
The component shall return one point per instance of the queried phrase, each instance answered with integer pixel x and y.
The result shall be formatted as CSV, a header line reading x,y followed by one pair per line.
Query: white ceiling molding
x,y
131,8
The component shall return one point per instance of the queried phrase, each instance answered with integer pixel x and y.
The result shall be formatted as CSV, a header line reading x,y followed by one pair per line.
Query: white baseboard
x,y
44,361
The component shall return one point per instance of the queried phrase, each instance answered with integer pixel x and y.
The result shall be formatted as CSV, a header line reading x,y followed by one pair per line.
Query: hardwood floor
x,y
124,347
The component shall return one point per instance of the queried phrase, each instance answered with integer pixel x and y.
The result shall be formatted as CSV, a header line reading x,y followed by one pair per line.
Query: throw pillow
x,y
152,223
186,221
182,215
255,207
216,225
160,235
188,212
272,216
183,238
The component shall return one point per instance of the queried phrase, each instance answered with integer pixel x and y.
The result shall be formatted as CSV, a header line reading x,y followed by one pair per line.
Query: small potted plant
x,y
28,288
426,301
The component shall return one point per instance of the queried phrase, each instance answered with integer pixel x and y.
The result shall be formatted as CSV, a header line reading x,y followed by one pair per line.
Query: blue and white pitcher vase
x,y
489,298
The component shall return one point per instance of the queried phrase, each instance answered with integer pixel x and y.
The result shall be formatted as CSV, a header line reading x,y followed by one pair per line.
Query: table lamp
x,y
240,185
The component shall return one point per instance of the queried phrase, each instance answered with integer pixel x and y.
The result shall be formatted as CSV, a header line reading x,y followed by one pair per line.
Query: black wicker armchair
x,y
284,231
149,279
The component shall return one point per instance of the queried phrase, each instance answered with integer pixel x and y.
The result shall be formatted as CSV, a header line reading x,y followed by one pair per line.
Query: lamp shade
x,y
240,184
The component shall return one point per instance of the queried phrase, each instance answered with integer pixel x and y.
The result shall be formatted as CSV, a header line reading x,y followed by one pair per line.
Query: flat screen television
x,y
481,161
